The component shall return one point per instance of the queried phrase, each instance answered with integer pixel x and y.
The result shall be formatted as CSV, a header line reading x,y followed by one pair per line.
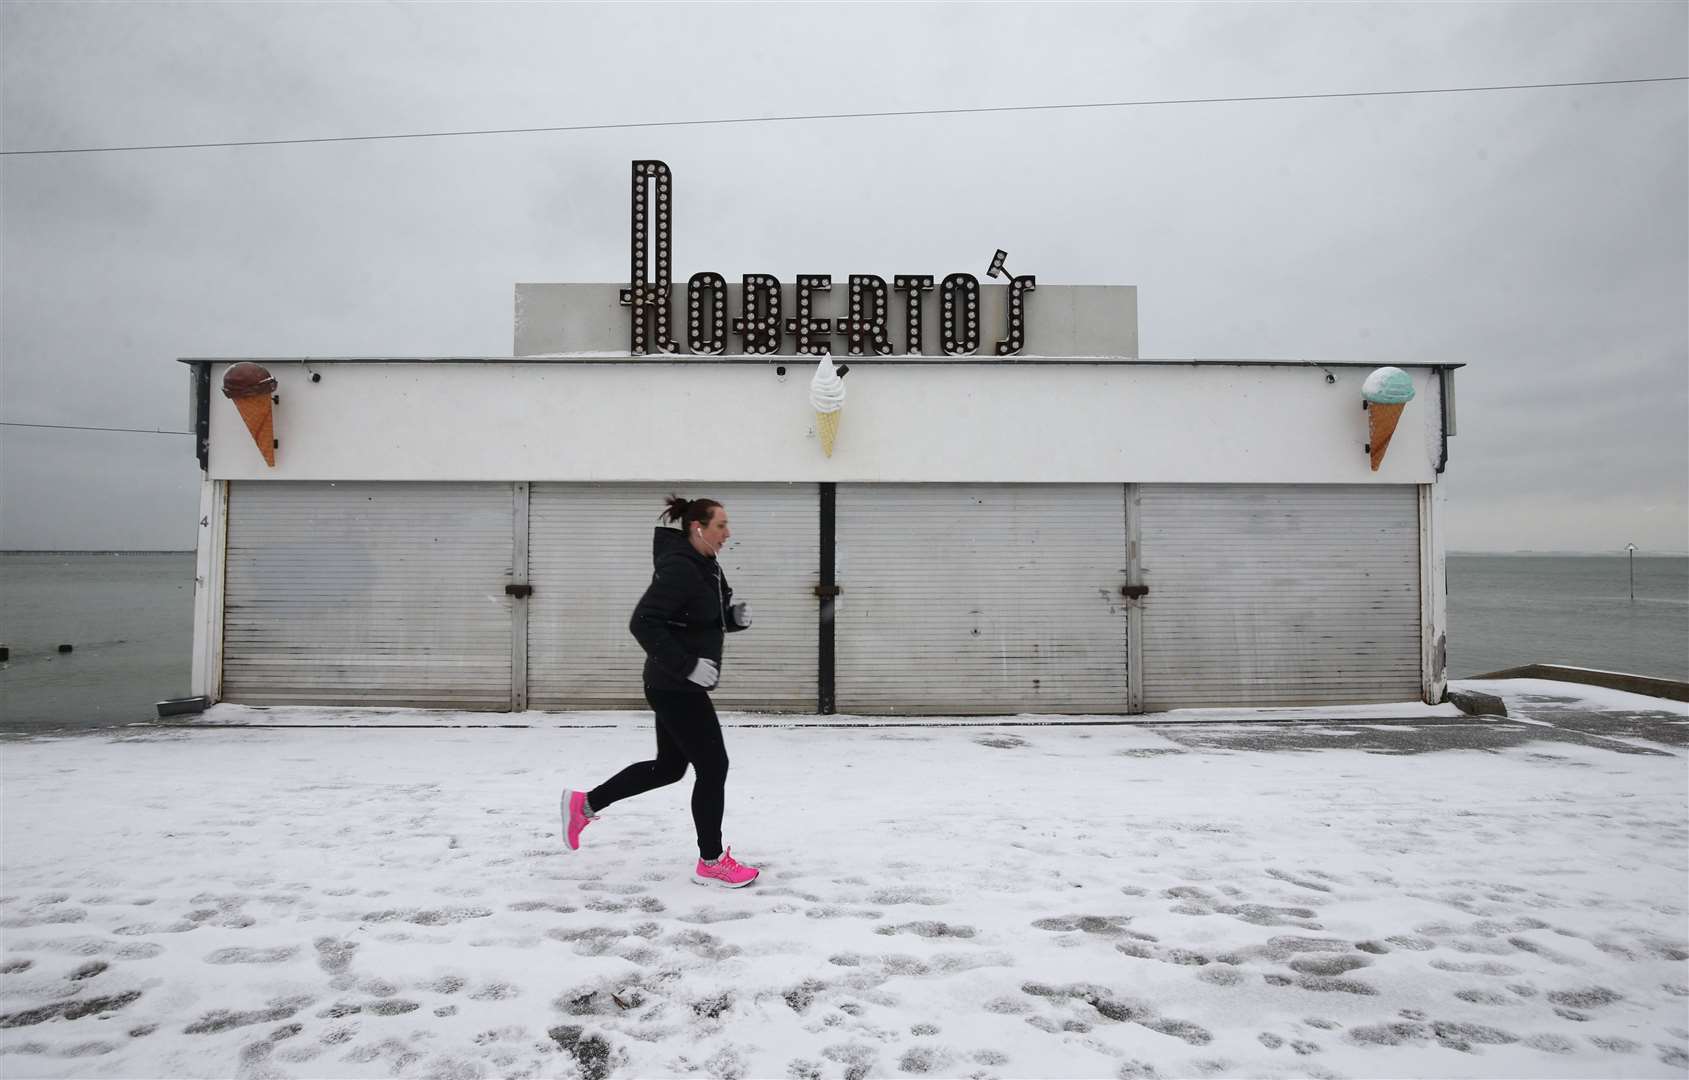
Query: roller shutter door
x,y
1279,594
368,594
590,560
995,598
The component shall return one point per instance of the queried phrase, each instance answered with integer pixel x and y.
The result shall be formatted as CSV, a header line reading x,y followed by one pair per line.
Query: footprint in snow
x,y
1139,950
144,929
1551,1044
1106,925
427,916
334,956
48,917
1328,984
444,984
831,911
542,905
1284,946
1616,1044
391,1007
1328,964
705,916
1592,997
1477,967
1485,997
904,895
705,945
1304,881
927,929
275,955
921,1060
224,1019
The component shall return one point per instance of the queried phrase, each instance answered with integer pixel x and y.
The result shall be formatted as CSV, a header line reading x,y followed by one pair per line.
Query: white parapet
x,y
610,418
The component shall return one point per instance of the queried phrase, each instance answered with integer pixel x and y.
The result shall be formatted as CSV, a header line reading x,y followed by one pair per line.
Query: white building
x,y
968,548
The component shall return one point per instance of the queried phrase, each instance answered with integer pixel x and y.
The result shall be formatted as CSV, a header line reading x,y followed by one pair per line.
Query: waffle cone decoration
x,y
1385,394
827,426
1381,425
250,387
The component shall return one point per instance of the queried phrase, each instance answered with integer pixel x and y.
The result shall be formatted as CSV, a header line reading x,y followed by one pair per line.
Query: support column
x,y
210,575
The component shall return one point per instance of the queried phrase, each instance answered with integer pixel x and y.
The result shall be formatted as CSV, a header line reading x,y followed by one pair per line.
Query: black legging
x,y
687,731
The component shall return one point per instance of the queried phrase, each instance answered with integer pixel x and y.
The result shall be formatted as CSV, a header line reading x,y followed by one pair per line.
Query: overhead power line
x,y
840,116
78,427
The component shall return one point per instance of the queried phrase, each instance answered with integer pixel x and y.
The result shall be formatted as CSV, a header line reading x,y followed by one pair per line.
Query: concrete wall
x,y
736,420
1062,320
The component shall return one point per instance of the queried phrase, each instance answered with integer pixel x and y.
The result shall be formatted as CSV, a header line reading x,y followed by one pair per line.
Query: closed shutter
x,y
1279,594
589,561
368,594
996,598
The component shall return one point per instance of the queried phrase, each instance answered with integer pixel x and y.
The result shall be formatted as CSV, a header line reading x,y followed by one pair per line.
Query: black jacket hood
x,y
667,541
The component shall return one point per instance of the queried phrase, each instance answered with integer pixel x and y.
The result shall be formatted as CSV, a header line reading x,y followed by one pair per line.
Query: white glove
x,y
705,674
741,613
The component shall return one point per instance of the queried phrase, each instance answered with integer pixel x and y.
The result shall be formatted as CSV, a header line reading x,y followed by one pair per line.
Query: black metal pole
x,y
824,696
202,414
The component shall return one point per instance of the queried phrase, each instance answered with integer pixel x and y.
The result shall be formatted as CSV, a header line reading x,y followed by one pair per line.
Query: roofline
x,y
798,358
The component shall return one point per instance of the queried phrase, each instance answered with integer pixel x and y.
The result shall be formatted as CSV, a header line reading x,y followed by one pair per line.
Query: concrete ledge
x,y
231,715
1671,689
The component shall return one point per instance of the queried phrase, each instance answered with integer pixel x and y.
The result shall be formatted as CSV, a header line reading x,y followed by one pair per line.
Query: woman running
x,y
680,623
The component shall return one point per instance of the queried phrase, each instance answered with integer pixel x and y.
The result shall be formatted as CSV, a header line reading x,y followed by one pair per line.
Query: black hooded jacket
x,y
684,613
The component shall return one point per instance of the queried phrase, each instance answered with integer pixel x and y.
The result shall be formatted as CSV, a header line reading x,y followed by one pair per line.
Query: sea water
x,y
129,620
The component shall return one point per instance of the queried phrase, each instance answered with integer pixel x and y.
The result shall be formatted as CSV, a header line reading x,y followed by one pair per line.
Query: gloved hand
x,y
741,613
705,673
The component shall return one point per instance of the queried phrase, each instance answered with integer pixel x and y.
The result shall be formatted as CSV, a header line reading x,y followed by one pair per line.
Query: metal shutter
x,y
589,560
1279,594
996,598
368,594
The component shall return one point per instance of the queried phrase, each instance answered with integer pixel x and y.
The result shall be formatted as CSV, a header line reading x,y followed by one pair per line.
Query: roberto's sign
x,y
865,331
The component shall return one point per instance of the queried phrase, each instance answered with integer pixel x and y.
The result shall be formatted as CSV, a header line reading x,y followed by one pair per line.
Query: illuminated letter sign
x,y
759,325
650,300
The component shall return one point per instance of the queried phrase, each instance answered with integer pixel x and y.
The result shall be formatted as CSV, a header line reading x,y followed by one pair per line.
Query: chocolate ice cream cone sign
x,y
250,387
1384,395
826,397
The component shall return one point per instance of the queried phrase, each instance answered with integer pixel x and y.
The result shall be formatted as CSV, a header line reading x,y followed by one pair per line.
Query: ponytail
x,y
687,512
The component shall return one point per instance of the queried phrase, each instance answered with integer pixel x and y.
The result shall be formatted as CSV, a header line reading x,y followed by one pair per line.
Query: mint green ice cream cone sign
x,y
1384,395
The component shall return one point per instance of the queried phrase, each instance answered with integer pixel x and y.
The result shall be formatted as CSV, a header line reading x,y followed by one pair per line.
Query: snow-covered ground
x,y
1424,896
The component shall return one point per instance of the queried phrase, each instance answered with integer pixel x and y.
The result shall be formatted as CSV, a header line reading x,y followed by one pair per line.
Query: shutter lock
x,y
521,592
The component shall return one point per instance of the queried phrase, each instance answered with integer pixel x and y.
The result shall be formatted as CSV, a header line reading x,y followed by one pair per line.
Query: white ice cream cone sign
x,y
827,397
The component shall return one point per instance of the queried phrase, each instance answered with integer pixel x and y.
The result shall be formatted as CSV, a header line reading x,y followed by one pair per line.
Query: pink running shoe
x,y
575,818
727,872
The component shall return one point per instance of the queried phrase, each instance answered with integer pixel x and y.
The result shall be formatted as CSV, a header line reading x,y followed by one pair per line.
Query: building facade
x,y
1064,529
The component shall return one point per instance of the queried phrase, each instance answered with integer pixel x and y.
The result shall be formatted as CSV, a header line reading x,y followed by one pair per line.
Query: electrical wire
x,y
79,427
839,116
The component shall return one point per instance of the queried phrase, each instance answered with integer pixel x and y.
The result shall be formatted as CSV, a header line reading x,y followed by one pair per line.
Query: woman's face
x,y
709,538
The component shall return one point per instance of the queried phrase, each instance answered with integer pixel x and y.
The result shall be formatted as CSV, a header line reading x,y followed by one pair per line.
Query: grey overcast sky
x,y
1539,236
